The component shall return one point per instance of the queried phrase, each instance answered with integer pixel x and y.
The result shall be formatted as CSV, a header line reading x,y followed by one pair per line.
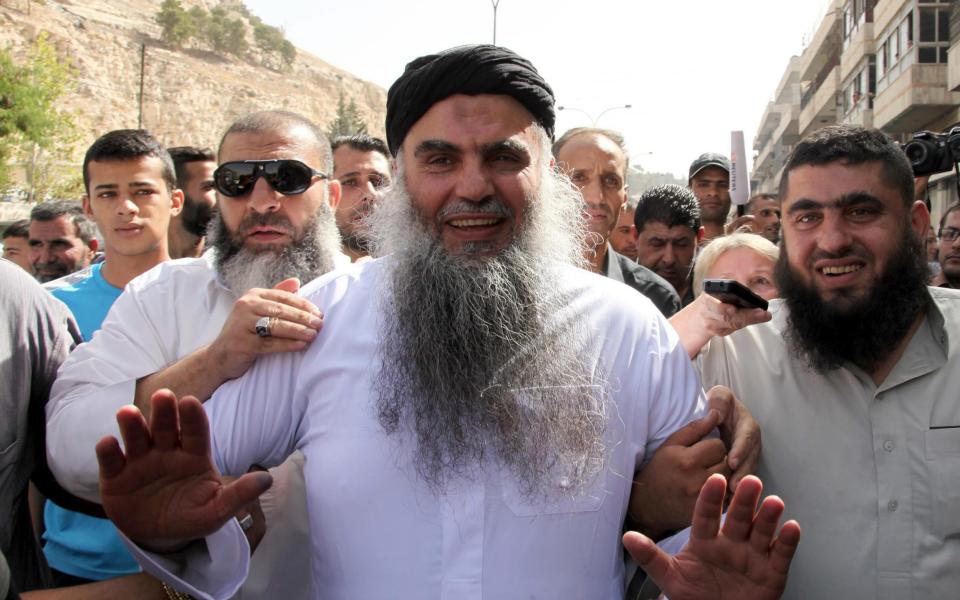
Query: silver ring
x,y
263,327
246,522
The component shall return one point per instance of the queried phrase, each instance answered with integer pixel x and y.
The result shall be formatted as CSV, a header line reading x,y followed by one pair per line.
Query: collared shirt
x,y
376,528
872,473
620,268
163,315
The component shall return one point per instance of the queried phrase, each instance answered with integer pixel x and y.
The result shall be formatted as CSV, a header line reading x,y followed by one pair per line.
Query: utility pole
x,y
495,4
143,60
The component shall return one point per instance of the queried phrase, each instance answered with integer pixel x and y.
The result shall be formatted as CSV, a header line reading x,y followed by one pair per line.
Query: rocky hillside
x,y
189,95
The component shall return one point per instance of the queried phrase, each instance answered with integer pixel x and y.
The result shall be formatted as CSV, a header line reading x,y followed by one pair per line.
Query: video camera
x,y
931,152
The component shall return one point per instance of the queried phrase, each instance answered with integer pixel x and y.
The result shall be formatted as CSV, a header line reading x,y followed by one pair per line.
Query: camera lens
x,y
917,152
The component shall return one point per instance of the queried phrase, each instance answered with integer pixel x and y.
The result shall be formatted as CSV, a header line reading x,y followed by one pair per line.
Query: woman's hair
x,y
718,246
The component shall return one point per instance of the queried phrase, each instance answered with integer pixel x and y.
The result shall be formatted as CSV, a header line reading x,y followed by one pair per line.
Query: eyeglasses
x,y
949,234
287,176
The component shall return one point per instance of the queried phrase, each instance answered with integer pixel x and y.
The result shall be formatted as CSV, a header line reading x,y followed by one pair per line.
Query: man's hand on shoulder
x,y
739,430
665,490
293,322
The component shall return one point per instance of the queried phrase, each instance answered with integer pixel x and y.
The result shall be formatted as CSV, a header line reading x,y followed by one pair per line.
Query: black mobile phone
x,y
733,292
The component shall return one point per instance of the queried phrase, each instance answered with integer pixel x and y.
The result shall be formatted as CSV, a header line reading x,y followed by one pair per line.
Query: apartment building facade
x,y
890,64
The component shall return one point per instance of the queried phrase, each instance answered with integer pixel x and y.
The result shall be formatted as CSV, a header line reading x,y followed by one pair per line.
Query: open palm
x,y
165,490
742,559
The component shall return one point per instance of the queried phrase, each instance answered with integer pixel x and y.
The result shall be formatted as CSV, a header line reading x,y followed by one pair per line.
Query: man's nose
x,y
834,237
41,255
263,198
592,193
127,206
474,183
668,257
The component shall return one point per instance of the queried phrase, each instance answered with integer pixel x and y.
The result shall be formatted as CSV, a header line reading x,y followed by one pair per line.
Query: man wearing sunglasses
x,y
192,324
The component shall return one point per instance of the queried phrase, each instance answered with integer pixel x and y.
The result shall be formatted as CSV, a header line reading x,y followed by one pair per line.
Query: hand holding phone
x,y
733,292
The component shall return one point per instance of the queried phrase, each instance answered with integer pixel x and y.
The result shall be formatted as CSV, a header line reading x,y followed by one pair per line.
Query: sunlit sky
x,y
692,71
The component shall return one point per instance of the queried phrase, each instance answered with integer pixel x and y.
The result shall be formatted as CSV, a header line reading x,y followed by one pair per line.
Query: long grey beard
x,y
482,357
307,257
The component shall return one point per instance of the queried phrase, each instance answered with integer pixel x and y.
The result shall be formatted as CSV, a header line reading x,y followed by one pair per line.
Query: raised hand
x,y
741,559
165,491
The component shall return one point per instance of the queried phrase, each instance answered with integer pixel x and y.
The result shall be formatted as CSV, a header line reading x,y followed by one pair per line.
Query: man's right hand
x,y
165,490
294,323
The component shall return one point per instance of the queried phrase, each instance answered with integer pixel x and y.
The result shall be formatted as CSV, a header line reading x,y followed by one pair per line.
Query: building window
x,y
933,34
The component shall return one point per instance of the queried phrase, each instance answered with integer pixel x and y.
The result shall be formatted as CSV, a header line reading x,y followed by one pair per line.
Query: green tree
x,y
347,121
235,37
288,52
216,31
176,23
33,128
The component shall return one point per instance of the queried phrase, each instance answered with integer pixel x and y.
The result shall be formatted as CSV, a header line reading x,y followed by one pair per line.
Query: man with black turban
x,y
475,406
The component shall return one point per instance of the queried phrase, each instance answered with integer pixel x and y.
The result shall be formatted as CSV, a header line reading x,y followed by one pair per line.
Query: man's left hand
x,y
743,558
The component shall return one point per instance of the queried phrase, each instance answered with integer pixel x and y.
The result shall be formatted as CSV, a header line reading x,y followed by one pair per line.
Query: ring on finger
x,y
263,326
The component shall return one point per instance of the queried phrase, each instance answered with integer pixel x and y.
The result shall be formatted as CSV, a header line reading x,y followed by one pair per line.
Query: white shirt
x,y
872,473
376,530
163,315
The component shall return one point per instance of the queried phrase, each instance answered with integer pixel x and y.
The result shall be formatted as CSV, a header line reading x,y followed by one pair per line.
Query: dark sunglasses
x,y
285,175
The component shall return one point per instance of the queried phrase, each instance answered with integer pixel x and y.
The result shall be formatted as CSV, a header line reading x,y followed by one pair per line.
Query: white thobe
x,y
377,531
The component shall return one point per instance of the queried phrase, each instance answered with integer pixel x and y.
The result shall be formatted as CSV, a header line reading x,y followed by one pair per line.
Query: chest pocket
x,y
942,452
561,498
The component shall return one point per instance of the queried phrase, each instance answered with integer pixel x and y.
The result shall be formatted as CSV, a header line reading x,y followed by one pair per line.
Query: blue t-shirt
x,y
78,544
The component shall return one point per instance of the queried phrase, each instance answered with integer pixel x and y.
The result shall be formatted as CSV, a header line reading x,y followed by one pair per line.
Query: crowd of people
x,y
468,362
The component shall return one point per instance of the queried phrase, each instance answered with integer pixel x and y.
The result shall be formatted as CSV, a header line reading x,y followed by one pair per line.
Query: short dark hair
x,y
760,196
853,145
283,120
128,144
669,204
614,136
19,229
183,155
361,142
943,219
83,227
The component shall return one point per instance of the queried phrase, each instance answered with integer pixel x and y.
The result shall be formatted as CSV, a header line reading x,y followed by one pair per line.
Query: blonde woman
x,y
745,257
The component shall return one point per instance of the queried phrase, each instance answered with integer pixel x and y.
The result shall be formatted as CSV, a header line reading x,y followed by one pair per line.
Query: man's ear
x,y
333,193
176,202
700,233
94,245
920,218
86,205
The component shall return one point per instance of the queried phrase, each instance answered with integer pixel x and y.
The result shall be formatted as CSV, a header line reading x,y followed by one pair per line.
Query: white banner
x,y
739,181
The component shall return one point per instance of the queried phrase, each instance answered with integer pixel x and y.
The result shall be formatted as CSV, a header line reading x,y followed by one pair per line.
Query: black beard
x,y
864,333
355,242
196,216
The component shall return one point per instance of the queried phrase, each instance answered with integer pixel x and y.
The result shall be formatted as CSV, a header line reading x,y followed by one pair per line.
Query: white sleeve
x,y
95,381
676,395
213,569
257,418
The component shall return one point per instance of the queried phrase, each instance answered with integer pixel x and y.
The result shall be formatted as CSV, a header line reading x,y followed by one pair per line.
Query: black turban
x,y
471,70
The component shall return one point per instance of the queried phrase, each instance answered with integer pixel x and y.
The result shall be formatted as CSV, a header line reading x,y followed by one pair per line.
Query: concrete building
x,y
891,64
